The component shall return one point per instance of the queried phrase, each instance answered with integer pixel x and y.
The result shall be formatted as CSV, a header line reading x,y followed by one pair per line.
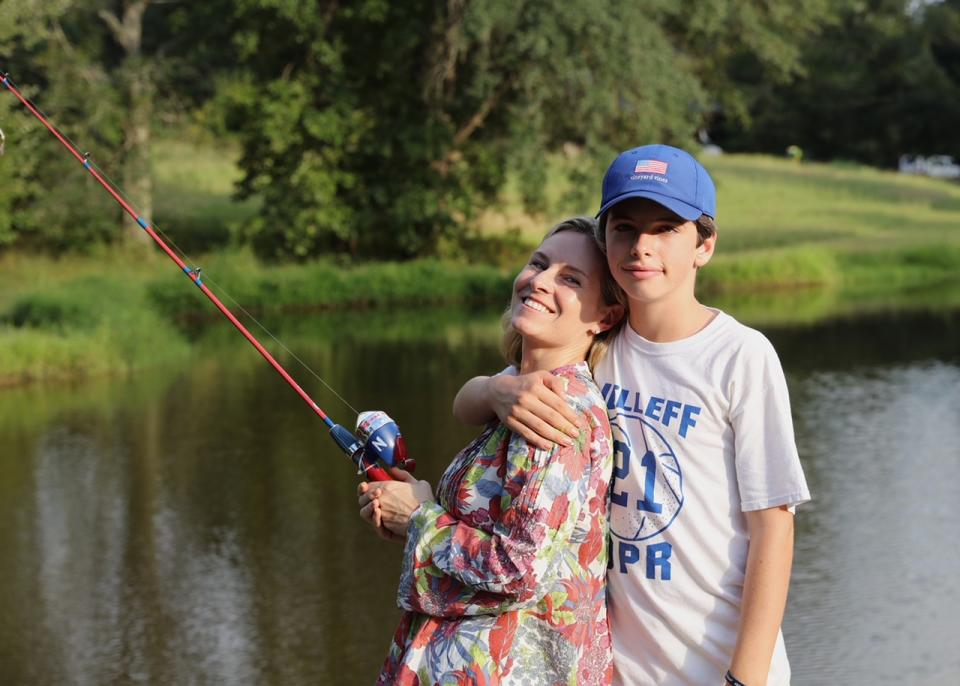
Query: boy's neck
x,y
667,322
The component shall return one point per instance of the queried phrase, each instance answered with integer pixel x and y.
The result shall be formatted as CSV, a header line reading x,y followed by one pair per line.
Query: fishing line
x,y
224,292
183,254
378,439
280,343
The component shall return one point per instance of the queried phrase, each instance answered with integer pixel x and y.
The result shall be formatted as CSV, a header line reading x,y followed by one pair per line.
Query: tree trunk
x,y
138,86
137,179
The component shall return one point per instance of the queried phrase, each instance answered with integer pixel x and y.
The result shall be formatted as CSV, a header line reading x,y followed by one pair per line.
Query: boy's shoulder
x,y
723,336
742,337
724,344
741,347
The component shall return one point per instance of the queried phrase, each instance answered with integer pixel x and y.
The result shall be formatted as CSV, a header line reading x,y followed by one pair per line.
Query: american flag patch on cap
x,y
650,167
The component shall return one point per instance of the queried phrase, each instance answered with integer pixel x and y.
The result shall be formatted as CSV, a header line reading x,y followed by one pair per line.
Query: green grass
x,y
798,243
72,318
770,203
194,202
785,225
239,277
76,317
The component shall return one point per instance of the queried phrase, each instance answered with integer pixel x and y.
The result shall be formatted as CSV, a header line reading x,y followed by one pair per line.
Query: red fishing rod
x,y
378,439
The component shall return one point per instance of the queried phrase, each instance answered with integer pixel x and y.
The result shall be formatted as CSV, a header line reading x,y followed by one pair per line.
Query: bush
x,y
328,285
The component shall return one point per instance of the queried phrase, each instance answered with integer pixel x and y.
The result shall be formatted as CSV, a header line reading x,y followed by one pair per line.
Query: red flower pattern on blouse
x,y
503,576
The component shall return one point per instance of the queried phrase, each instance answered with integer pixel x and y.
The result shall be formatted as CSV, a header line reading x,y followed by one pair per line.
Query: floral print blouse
x,y
503,576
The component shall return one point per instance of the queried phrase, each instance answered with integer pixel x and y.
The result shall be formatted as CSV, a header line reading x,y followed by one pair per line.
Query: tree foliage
x,y
48,204
85,61
739,48
879,82
378,128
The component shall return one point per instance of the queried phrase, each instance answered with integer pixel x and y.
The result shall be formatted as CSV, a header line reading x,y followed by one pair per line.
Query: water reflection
x,y
197,526
879,551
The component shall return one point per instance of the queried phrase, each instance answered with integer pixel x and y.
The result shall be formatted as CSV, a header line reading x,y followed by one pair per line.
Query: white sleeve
x,y
768,467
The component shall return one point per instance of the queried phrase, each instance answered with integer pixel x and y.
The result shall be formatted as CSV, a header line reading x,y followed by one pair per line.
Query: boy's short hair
x,y
706,227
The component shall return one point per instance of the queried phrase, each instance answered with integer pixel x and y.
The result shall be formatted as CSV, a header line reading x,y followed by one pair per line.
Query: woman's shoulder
x,y
582,392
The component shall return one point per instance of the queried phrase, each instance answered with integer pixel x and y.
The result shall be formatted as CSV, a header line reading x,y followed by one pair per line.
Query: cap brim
x,y
678,207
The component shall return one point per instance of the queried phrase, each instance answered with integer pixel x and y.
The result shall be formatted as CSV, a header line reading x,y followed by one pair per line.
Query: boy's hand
x,y
532,405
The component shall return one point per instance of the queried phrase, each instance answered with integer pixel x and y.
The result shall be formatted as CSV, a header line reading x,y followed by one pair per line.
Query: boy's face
x,y
654,254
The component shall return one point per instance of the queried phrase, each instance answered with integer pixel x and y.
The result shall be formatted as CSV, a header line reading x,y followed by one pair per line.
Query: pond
x,y
197,525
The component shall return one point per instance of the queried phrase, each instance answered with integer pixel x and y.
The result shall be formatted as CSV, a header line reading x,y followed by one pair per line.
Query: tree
x,y
871,89
46,203
126,28
941,24
740,48
93,71
376,128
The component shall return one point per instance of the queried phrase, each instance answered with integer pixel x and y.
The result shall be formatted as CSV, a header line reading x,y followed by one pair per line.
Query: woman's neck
x,y
535,358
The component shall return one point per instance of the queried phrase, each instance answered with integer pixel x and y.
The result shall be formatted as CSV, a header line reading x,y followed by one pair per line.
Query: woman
x,y
503,573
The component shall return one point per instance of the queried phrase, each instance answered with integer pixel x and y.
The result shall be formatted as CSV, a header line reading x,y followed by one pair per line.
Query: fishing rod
x,y
377,440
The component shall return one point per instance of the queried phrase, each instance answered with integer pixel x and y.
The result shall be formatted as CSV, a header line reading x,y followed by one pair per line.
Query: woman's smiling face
x,y
557,297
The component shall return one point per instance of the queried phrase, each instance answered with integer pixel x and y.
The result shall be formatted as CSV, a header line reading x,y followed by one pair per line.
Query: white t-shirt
x,y
702,433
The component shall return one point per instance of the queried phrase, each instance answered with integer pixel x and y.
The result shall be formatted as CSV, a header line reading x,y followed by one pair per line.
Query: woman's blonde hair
x,y
512,345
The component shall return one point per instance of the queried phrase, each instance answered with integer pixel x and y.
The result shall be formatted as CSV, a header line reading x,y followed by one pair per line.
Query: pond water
x,y
197,526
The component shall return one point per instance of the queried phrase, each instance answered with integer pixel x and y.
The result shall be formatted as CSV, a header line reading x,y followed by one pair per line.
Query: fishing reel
x,y
377,442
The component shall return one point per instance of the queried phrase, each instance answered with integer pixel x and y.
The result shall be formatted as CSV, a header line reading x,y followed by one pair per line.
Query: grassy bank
x,y
785,225
833,226
805,241
119,311
782,224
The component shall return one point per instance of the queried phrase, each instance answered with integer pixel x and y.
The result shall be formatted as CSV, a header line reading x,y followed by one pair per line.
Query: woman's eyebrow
x,y
574,268
546,258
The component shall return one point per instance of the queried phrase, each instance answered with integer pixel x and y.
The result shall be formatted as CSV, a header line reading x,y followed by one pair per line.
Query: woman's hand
x,y
370,512
388,505
533,406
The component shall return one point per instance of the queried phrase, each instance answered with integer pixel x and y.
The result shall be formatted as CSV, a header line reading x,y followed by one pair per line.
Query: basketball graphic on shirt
x,y
647,490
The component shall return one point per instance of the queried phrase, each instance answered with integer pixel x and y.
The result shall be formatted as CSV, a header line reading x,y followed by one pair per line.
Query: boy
x,y
707,472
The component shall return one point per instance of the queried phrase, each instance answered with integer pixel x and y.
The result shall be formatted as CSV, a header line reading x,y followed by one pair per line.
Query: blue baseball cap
x,y
667,175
